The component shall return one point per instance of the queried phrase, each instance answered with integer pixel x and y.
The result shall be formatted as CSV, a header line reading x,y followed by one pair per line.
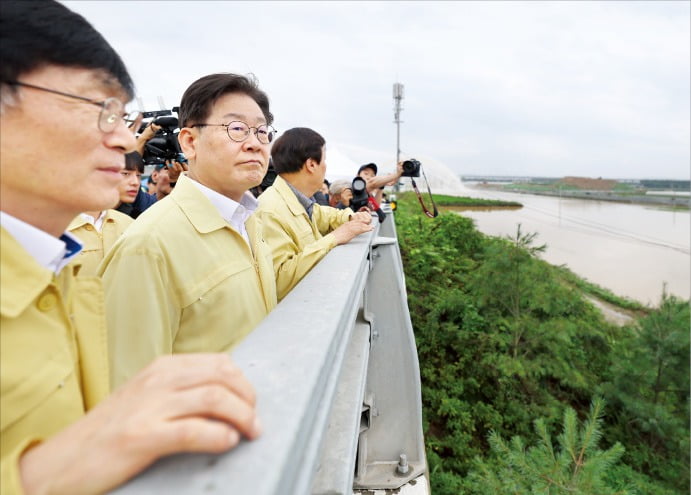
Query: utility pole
x,y
397,98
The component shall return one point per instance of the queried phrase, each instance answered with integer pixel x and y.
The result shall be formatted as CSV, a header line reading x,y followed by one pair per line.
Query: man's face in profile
x,y
52,149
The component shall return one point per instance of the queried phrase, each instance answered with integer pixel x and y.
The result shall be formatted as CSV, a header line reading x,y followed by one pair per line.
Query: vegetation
x,y
442,200
510,348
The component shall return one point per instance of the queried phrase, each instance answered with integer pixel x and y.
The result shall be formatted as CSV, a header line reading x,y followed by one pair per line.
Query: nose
x,y
252,142
121,138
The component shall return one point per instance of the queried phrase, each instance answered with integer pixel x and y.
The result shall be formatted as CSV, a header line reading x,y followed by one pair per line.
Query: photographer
x,y
375,185
340,194
164,177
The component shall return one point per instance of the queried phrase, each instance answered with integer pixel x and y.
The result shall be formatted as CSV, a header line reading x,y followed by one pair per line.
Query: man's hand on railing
x,y
359,223
364,214
180,403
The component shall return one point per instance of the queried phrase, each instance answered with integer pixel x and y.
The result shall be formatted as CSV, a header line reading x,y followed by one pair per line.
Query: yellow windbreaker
x,y
96,243
53,356
297,243
180,279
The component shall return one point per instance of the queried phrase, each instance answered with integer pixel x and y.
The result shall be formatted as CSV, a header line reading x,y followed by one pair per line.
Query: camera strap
x,y
419,196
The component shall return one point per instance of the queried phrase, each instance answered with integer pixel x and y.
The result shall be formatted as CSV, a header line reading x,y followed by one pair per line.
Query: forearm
x,y
375,183
291,267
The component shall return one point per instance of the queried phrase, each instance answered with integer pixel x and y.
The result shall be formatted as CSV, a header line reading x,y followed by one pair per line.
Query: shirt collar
x,y
96,222
231,211
307,203
50,252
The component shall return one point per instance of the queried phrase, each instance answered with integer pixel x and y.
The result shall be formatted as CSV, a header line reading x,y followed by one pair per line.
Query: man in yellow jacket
x,y
299,231
193,273
62,92
98,231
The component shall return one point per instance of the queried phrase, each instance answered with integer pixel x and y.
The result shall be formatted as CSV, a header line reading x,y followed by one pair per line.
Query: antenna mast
x,y
397,98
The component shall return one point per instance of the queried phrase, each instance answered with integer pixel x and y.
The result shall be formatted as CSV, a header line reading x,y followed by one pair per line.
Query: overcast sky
x,y
502,88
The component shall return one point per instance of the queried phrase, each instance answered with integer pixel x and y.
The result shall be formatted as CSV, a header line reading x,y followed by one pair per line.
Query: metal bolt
x,y
402,467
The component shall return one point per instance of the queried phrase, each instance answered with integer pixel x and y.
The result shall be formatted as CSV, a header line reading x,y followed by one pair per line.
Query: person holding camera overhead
x,y
63,91
376,184
299,231
193,272
163,178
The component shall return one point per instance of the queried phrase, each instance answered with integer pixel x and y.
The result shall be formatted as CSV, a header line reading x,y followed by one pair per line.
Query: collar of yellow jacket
x,y
198,209
111,216
23,279
289,197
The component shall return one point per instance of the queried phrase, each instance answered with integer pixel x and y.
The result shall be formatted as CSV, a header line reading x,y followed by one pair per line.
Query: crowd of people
x,y
120,305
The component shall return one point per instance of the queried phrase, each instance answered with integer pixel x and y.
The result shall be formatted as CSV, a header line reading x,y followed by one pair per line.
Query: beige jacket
x,y
297,243
182,280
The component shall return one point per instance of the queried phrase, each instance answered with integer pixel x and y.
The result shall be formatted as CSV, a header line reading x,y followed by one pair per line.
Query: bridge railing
x,y
338,388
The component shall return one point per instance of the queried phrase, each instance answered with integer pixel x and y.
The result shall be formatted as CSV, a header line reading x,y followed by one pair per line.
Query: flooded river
x,y
630,249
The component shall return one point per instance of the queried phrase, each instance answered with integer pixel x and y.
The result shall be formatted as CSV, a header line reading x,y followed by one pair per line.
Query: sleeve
x,y
142,309
290,262
10,477
328,219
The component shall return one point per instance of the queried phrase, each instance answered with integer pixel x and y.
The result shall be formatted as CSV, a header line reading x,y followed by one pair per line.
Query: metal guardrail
x,y
338,385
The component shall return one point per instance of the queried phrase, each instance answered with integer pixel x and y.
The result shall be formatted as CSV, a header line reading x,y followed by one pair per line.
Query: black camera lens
x,y
359,185
411,168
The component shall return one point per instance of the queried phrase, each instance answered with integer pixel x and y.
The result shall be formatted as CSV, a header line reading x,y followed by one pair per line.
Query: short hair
x,y
295,147
338,186
203,93
133,161
36,33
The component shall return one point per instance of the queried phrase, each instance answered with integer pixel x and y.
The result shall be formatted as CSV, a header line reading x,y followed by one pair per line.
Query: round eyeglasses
x,y
239,131
112,109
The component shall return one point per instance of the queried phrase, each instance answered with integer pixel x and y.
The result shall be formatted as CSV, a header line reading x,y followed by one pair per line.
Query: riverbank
x,y
589,190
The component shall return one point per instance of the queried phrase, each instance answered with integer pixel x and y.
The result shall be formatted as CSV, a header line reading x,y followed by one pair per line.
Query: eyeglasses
x,y
112,109
239,131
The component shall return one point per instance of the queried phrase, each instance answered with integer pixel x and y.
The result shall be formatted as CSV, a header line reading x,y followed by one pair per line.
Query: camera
x,y
360,195
164,146
362,198
411,168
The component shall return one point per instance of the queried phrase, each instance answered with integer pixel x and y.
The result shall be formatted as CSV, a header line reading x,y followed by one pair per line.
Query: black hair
x,y
295,147
201,95
133,161
36,33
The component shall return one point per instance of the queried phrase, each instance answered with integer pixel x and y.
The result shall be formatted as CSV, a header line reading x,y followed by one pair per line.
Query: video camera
x,y
164,146
411,168
360,195
362,198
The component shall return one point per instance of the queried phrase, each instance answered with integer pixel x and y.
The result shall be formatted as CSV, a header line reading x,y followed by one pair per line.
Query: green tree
x,y
649,387
576,467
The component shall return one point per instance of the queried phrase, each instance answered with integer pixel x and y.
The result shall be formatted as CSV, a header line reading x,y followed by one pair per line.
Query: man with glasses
x,y
193,272
62,146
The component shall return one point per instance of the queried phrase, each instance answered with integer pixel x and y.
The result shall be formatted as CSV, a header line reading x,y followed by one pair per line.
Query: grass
x,y
443,200
600,292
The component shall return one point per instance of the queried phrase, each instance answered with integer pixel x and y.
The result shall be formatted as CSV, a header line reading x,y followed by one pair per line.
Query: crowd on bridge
x,y
121,301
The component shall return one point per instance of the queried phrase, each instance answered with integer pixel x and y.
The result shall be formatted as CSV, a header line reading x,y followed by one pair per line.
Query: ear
x,y
188,137
311,165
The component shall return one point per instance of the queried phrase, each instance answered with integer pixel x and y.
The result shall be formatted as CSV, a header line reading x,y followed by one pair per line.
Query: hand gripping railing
x,y
338,388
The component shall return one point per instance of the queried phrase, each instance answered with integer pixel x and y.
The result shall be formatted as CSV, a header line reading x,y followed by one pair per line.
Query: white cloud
x,y
534,88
